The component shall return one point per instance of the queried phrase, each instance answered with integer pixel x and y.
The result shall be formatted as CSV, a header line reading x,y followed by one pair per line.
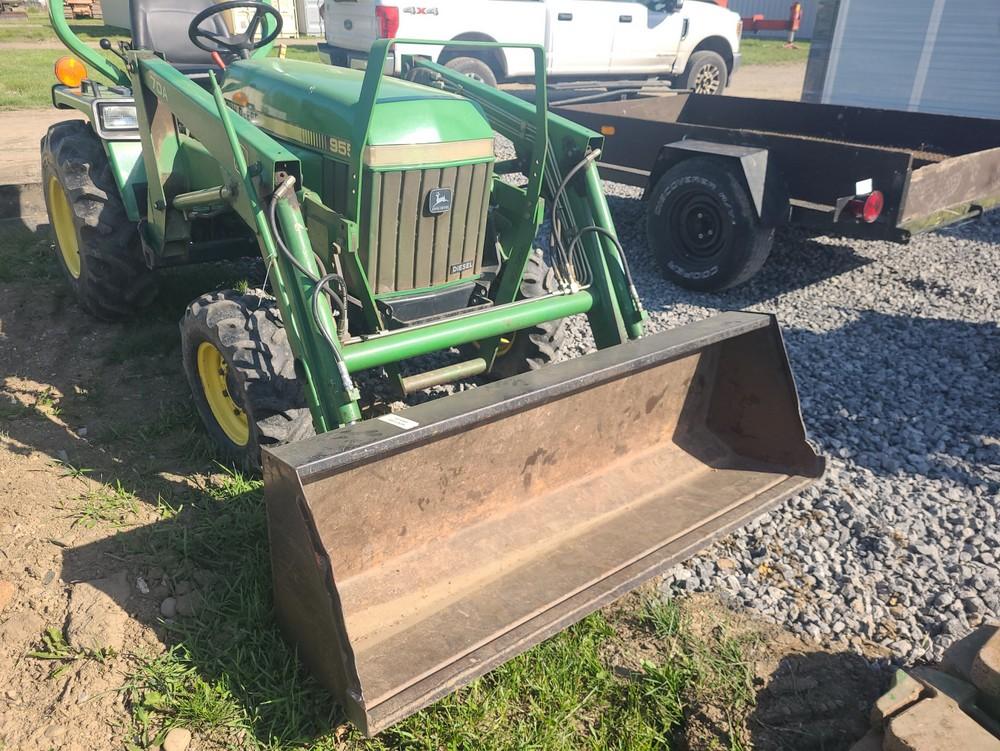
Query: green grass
x,y
772,52
37,29
26,78
112,505
25,255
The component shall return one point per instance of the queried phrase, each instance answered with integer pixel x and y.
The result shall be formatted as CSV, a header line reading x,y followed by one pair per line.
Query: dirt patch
x,y
769,82
757,686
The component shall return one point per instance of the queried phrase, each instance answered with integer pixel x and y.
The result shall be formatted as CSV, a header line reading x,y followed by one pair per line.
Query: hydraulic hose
x,y
321,285
557,227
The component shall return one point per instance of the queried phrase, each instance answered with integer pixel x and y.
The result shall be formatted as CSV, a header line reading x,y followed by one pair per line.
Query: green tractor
x,y
411,551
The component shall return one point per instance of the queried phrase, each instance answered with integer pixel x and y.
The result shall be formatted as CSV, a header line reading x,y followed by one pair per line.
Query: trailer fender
x,y
760,176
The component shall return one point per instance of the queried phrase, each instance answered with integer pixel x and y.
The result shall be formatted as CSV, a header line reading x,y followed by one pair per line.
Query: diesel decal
x,y
458,268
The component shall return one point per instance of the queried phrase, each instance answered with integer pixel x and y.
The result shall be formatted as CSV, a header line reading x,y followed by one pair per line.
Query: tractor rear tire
x,y
242,374
534,347
96,245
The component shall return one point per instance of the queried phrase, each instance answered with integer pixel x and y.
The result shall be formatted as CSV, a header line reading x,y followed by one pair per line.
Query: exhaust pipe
x,y
415,552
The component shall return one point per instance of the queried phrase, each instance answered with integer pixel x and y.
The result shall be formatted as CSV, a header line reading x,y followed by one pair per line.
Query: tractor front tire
x,y
534,347
242,375
96,244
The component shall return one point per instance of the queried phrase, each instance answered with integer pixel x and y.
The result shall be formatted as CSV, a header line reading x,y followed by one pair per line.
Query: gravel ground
x,y
896,350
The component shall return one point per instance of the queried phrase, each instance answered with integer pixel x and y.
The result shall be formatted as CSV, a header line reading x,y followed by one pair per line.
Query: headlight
x,y
116,117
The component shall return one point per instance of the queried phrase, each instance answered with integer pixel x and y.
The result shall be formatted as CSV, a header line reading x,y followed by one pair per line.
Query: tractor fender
x,y
760,174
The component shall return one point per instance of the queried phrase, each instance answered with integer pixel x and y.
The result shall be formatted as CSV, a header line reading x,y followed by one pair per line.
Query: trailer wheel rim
x,y
707,80
699,223
213,372
61,215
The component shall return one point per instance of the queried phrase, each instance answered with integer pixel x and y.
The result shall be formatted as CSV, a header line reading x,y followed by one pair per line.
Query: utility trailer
x,y
721,173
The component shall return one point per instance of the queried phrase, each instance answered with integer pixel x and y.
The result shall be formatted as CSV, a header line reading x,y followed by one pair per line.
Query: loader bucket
x,y
413,553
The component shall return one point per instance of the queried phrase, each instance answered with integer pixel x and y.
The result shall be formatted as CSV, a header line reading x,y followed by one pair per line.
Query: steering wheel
x,y
240,44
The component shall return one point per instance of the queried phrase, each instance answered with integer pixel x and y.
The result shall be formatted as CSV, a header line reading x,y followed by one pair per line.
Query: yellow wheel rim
x,y
213,371
62,223
506,342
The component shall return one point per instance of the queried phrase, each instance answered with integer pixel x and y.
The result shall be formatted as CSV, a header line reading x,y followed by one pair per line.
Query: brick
x,y
959,691
985,672
957,659
903,692
936,724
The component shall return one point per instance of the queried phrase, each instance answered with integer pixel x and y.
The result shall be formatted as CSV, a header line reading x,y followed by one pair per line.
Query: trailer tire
x,y
243,335
96,245
474,68
702,226
706,73
535,347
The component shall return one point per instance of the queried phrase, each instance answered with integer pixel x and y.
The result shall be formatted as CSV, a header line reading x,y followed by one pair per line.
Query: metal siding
x,y
936,56
962,76
777,9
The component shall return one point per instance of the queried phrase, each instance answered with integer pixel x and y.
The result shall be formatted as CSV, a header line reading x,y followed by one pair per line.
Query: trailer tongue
x,y
414,553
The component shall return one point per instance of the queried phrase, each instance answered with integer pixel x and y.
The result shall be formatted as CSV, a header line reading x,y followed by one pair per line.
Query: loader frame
x,y
194,153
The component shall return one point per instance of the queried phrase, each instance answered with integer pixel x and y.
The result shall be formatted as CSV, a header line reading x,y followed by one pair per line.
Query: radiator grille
x,y
404,246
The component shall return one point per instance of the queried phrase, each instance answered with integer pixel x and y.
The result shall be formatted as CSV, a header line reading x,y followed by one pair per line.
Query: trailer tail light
x,y
387,17
868,208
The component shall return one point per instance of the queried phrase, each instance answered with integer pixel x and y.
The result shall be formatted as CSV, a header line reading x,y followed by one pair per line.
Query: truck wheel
x,y
474,68
242,375
703,228
535,347
706,73
96,245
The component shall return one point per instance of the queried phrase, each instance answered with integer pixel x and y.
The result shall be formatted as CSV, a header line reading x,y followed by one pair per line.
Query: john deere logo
x,y
439,200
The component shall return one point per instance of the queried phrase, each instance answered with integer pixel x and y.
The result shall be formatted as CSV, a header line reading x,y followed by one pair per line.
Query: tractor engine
x,y
425,173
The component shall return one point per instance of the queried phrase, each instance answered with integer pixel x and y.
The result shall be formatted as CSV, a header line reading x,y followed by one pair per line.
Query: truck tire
x,y
706,73
241,370
96,244
702,226
535,347
474,68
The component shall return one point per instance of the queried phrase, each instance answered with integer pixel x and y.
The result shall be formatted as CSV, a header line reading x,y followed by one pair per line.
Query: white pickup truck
x,y
695,44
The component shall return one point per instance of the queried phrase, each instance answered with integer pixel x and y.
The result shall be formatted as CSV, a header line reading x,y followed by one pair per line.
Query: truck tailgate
x,y
351,24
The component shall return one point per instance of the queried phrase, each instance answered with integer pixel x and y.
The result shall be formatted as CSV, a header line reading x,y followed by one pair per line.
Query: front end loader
x,y
412,551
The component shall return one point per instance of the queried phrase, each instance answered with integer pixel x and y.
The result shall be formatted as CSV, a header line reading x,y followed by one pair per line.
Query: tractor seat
x,y
161,26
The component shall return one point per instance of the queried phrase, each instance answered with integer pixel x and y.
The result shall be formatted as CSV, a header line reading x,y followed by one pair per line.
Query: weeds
x,y
662,617
47,403
111,504
76,473
56,649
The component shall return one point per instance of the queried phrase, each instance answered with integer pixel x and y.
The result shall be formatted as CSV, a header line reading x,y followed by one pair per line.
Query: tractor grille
x,y
404,246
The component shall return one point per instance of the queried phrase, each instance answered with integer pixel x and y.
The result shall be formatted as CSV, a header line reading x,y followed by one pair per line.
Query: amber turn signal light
x,y
70,71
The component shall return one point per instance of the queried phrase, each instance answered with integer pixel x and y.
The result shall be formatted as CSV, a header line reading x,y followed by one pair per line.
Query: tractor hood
x,y
317,106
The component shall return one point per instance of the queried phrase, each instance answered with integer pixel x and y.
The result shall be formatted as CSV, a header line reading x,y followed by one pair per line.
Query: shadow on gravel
x,y
816,701
905,394
797,261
